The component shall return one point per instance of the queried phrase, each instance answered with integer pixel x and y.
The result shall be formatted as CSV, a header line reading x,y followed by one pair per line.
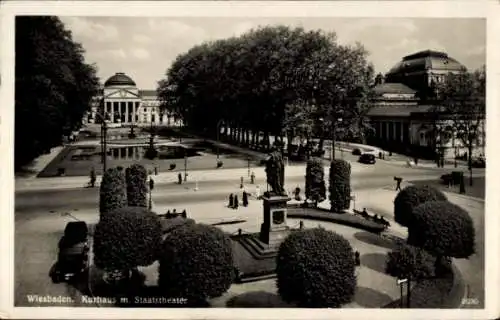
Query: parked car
x,y
73,252
367,158
356,152
479,163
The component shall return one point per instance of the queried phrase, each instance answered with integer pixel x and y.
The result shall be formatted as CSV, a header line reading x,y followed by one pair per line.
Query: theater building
x,y
401,117
124,104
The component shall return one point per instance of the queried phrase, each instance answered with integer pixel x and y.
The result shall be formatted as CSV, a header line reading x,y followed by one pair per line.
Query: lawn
x,y
477,190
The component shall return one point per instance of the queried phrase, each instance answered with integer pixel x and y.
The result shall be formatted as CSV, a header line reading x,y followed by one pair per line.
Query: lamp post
x,y
104,130
185,166
217,137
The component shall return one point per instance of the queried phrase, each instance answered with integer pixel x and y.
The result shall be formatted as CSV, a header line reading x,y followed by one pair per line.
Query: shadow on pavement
x,y
374,261
376,240
257,299
370,298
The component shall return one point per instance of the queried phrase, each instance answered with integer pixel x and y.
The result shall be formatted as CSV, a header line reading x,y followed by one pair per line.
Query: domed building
x,y
124,104
401,116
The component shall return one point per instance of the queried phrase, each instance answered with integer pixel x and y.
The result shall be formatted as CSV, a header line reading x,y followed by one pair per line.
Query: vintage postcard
x,y
189,160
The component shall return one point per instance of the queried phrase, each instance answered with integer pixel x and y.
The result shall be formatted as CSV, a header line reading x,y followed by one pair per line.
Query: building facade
x,y
404,117
123,104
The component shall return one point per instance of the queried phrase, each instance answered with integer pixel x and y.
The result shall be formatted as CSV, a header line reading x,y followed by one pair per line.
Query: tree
x,y
340,185
113,191
196,263
315,181
443,229
54,86
129,237
462,99
409,262
315,269
137,190
411,197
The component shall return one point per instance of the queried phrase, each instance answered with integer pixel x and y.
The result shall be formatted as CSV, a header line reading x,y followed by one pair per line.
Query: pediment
x,y
121,94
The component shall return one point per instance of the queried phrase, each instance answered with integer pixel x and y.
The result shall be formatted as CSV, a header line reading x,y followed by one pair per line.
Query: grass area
x,y
477,190
344,219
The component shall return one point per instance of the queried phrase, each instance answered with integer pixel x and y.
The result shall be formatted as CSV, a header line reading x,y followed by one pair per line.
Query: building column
x,y
112,116
401,133
394,124
387,130
127,115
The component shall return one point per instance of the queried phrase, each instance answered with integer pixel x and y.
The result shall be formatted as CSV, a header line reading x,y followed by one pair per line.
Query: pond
x,y
134,152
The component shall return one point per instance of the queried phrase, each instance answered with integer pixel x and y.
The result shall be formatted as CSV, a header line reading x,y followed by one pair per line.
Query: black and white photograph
x,y
286,161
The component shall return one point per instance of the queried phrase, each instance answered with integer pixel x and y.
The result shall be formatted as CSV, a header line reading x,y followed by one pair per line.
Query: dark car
x,y
367,158
479,163
73,252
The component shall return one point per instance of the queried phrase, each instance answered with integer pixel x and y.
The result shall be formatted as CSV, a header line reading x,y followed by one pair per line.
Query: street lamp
x,y
218,131
104,129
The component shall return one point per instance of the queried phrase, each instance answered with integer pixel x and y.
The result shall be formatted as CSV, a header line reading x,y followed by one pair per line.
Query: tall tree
x,y
462,101
54,86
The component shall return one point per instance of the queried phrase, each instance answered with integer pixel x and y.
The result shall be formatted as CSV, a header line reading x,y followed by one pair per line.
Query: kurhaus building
x,y
124,104
401,117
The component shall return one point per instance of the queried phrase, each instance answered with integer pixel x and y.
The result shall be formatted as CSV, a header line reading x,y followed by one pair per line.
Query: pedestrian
x,y
184,213
92,177
241,182
252,178
245,199
357,260
236,202
174,213
179,178
462,185
398,183
231,201
257,192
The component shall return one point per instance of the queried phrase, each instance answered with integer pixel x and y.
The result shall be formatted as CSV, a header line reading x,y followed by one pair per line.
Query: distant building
x,y
401,116
124,104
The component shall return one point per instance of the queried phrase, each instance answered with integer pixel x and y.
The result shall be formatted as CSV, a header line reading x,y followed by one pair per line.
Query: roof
x,y
424,60
148,93
119,79
397,88
397,110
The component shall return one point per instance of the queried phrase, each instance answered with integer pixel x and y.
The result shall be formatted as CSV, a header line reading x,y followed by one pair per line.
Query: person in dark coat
x,y
245,198
179,178
92,177
231,201
357,260
236,202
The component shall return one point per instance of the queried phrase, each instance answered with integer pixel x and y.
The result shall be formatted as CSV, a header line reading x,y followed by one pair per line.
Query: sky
x,y
144,48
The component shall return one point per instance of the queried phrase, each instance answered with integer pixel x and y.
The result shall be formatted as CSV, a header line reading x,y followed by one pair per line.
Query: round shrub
x,y
113,191
315,269
128,237
315,181
196,263
410,262
137,191
409,198
340,185
443,229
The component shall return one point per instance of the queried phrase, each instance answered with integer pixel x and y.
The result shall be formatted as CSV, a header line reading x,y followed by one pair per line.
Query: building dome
x,y
119,79
426,60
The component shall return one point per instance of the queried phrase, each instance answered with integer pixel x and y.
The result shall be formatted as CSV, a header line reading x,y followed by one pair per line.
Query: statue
x,y
275,172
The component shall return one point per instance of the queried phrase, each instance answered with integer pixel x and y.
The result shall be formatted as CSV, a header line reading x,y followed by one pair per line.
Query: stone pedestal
x,y
273,229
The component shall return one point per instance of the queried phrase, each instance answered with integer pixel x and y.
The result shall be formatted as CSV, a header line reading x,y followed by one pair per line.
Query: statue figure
x,y
275,172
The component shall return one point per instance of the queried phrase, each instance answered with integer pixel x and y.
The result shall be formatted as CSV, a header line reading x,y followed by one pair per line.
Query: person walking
x,y
245,199
92,177
398,183
236,202
231,201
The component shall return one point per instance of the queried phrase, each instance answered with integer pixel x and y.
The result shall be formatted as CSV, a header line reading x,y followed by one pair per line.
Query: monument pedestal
x,y
273,229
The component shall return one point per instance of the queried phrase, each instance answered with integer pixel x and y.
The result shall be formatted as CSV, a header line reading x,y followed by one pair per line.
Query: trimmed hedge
x,y
113,191
315,269
196,263
137,191
128,237
444,229
410,262
315,181
340,185
409,198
